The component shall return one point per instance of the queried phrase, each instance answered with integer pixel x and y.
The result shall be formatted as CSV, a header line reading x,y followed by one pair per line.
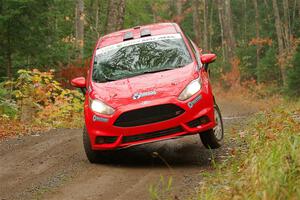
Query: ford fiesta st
x,y
146,84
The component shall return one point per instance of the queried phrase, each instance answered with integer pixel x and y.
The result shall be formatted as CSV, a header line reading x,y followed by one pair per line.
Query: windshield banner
x,y
138,41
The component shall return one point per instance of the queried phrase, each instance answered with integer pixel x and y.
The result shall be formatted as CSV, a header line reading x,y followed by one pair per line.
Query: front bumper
x,y
197,118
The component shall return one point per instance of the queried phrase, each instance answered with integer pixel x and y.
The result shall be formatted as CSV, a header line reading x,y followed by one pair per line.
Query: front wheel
x,y
213,138
93,155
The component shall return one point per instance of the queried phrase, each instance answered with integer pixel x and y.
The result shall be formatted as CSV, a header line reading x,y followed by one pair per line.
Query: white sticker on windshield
x,y
138,41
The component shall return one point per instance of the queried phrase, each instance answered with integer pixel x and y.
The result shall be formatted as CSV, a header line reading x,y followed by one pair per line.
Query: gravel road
x,y
53,165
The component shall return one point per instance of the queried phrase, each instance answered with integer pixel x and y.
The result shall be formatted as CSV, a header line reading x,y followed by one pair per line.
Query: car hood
x,y
144,87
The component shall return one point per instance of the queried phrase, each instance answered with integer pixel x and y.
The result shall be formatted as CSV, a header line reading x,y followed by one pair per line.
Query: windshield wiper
x,y
159,70
103,80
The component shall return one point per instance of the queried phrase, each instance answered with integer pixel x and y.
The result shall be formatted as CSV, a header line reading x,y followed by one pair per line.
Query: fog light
x,y
100,140
204,120
105,139
199,121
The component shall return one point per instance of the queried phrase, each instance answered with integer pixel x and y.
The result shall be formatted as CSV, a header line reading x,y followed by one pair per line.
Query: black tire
x,y
208,138
93,155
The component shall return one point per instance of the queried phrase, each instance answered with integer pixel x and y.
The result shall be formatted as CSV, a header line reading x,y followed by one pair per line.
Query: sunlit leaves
x,y
56,106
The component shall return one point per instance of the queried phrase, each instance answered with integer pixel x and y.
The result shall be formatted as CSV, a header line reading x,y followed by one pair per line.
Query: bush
x,y
247,55
43,100
8,107
268,70
293,77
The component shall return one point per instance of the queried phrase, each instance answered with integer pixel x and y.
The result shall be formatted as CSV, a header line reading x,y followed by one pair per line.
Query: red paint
x,y
79,82
208,58
167,84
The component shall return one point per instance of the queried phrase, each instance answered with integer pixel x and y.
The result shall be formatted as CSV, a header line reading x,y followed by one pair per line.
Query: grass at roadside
x,y
269,166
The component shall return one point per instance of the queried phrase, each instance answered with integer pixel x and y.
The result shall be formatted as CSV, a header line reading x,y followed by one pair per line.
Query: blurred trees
x,y
115,15
259,35
79,27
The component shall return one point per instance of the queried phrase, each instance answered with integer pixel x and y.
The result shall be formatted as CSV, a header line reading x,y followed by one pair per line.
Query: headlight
x,y
100,107
190,90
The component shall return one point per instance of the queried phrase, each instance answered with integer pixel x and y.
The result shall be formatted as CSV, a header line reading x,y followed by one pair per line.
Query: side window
x,y
196,52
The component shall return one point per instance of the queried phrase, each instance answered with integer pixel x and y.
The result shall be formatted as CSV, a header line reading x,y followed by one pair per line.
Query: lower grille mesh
x,y
145,136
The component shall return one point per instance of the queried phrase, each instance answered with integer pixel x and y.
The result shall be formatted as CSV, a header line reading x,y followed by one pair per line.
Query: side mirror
x,y
79,82
208,58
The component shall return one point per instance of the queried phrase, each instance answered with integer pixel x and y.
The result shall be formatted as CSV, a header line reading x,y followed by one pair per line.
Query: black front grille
x,y
199,121
145,136
148,115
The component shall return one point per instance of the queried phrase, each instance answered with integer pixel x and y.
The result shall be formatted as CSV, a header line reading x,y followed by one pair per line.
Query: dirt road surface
x,y
53,165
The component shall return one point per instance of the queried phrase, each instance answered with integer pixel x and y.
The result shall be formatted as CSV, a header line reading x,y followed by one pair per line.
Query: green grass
x,y
268,167
162,190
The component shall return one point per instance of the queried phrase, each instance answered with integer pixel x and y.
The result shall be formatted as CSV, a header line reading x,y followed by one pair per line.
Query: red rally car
x,y
146,84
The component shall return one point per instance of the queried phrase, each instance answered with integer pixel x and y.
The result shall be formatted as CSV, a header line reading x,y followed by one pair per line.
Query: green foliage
x,y
293,79
41,34
32,32
8,107
248,67
133,18
267,69
269,168
162,190
37,86
56,107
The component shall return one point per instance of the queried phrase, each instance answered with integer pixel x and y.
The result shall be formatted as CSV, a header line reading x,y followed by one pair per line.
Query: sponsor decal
x,y
194,101
99,119
145,102
143,94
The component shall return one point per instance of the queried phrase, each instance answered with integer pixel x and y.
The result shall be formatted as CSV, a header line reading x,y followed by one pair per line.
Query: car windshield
x,y
140,56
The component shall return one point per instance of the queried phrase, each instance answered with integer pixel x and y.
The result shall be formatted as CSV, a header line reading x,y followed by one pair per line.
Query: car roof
x,y
155,29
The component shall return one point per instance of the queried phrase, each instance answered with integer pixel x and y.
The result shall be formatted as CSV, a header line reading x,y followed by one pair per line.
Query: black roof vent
x,y
145,33
128,36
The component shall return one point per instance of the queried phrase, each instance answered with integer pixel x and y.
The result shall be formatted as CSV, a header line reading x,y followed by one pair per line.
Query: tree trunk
x,y
120,21
228,39
266,4
298,7
179,7
205,24
257,27
221,20
196,22
279,38
9,65
229,29
116,14
80,27
8,54
210,30
245,21
294,14
97,18
286,24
